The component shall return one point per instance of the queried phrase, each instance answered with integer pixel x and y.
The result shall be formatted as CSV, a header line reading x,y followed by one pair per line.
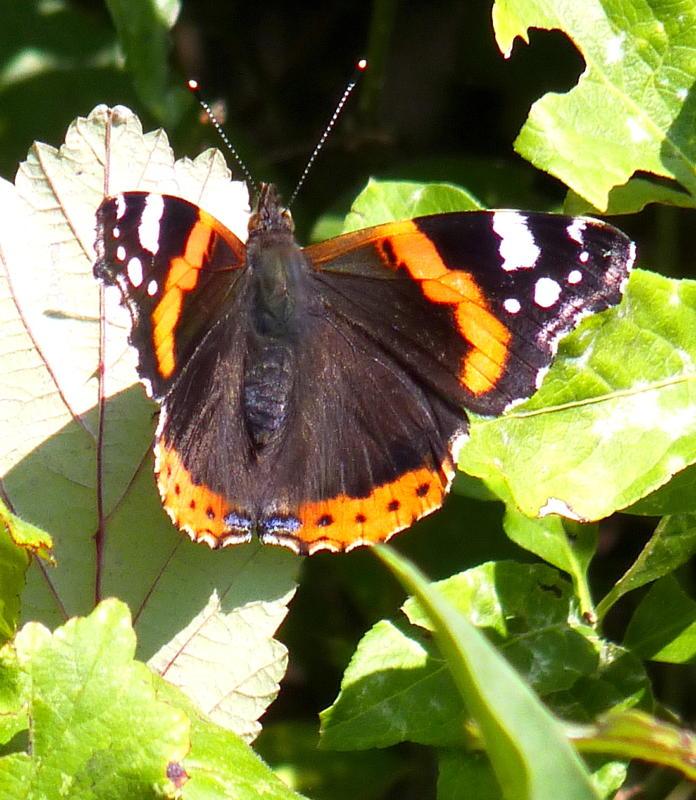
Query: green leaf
x,y
462,776
397,686
18,540
639,60
385,201
242,640
676,496
529,610
671,545
663,627
465,775
619,682
96,726
14,694
26,536
102,725
621,390
143,29
630,198
562,542
218,764
53,423
634,734
527,748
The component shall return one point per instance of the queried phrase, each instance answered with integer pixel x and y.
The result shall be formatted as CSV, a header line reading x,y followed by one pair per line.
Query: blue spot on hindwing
x,y
238,522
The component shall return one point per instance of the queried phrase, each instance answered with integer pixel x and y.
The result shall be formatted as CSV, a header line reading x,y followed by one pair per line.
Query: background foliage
x,y
439,103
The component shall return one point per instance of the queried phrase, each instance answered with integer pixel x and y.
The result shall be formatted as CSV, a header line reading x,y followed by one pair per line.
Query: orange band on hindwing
x,y
193,507
344,522
409,248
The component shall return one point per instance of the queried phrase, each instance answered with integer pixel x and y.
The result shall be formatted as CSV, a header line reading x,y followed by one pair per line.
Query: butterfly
x,y
315,397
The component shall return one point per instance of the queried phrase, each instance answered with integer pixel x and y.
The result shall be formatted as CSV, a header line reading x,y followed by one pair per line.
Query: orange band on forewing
x,y
182,277
191,506
489,338
344,522
409,248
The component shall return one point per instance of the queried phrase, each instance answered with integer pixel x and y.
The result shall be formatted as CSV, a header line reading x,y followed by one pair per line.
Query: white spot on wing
x,y
120,253
541,374
149,228
116,232
517,246
135,271
574,276
120,206
315,547
509,406
546,292
152,288
231,539
576,229
511,305
584,257
631,260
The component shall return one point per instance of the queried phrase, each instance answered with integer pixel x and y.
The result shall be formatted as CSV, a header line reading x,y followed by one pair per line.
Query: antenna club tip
x,y
361,65
193,85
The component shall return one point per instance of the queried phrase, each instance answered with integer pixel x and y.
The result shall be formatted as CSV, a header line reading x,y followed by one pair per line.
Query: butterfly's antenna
x,y
360,67
195,90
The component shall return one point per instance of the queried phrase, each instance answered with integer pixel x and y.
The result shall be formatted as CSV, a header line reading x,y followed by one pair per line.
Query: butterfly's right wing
x,y
176,267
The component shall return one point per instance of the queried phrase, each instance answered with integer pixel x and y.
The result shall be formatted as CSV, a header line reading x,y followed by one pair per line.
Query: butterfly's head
x,y
270,216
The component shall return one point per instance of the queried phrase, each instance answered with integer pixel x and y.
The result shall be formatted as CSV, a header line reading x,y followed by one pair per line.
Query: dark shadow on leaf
x,y
677,151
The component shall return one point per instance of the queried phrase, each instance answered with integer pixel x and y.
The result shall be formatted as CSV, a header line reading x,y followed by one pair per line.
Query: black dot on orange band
x,y
192,504
393,505
360,518
423,489
169,471
210,513
388,250
177,488
325,520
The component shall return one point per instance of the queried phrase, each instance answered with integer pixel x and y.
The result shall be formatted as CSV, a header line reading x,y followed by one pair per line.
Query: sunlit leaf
x,y
639,62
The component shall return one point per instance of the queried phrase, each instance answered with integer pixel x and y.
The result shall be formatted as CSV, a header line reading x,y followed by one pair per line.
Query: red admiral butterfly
x,y
314,396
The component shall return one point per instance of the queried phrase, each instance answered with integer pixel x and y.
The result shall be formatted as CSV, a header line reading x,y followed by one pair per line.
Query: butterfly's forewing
x,y
495,289
176,267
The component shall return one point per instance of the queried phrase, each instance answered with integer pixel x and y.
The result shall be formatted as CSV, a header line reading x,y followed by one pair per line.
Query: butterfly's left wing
x,y
474,303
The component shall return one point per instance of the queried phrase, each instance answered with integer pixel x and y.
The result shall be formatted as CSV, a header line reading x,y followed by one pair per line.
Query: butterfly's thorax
x,y
278,273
